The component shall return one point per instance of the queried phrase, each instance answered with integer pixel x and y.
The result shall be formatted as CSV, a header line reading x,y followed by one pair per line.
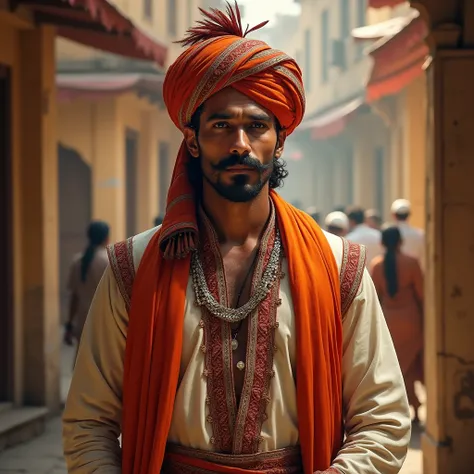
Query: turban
x,y
219,56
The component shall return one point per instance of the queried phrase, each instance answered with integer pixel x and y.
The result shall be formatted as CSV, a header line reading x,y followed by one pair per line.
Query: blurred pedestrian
x,y
361,233
373,219
85,273
398,280
337,223
413,238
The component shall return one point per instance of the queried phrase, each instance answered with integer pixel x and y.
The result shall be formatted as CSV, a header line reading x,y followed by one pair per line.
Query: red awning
x,y
398,60
95,86
98,24
385,3
332,122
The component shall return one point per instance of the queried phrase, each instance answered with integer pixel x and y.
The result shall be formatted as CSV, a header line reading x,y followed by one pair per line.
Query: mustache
x,y
247,160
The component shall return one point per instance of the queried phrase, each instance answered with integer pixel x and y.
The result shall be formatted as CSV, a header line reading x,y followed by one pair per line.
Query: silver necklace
x,y
234,315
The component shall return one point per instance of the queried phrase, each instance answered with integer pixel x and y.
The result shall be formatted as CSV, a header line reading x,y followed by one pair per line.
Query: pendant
x,y
234,344
241,365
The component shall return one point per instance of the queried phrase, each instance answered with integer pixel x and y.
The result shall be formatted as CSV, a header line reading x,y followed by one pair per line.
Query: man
x,y
373,219
337,223
236,350
361,233
413,238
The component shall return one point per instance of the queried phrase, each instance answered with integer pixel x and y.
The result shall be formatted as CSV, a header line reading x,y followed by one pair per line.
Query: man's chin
x,y
239,194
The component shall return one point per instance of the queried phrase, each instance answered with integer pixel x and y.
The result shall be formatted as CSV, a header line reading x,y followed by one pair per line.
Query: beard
x,y
241,190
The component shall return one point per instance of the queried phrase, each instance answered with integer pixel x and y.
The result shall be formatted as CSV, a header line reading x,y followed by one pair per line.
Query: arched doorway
x,y
75,213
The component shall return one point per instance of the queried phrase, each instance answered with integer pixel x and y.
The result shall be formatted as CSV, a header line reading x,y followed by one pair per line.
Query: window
x,y
345,19
148,9
361,12
325,45
345,33
172,18
307,59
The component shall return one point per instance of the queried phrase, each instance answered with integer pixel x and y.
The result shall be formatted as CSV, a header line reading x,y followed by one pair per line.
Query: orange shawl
x,y
154,341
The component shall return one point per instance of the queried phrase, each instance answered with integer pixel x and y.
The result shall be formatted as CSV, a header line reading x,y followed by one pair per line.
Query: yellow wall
x,y
414,148
368,133
96,130
29,52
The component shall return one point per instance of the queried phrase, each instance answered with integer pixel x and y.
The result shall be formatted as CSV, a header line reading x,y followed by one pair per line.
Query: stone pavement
x,y
42,455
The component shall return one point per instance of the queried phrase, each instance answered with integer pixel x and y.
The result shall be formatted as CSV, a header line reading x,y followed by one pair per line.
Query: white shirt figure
x,y
413,238
361,233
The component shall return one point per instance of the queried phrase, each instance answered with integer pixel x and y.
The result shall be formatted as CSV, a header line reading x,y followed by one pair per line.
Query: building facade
x,y
362,137
116,143
29,192
335,70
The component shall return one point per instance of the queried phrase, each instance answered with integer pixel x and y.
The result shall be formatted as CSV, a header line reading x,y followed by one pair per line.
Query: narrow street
x,y
43,455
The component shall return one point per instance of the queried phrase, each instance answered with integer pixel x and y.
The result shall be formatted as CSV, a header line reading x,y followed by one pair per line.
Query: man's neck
x,y
236,222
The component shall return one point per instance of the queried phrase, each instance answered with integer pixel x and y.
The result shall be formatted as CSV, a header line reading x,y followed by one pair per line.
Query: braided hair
x,y
391,240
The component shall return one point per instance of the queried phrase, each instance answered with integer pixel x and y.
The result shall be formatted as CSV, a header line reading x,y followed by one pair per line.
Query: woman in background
x,y
85,273
399,282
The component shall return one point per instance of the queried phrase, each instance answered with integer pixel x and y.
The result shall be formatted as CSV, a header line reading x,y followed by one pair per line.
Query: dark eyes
x,y
258,125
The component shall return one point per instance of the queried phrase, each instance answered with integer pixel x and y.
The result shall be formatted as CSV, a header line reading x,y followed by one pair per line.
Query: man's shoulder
x,y
350,258
134,246
140,243
343,248
124,259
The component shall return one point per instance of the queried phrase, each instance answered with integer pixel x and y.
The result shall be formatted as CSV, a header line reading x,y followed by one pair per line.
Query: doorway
x,y
75,214
6,239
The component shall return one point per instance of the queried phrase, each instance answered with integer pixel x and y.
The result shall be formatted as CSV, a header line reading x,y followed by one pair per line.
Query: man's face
x,y
236,144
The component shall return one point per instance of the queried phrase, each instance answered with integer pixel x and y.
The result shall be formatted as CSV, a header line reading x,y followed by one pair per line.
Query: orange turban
x,y
220,56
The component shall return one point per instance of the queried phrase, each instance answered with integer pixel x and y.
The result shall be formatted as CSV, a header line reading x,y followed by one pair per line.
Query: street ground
x,y
43,455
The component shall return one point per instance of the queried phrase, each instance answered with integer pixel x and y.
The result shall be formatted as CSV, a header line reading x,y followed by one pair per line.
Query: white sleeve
x,y
93,412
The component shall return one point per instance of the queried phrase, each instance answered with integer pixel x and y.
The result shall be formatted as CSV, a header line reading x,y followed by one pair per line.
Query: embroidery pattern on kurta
x,y
352,271
236,429
121,262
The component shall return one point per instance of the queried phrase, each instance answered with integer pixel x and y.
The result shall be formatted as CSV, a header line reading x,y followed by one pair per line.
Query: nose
x,y
241,144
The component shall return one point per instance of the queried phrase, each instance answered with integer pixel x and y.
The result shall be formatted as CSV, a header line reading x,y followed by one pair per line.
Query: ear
x,y
190,137
280,143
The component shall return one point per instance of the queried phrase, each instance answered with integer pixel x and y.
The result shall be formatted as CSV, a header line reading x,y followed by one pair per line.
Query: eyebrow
x,y
262,117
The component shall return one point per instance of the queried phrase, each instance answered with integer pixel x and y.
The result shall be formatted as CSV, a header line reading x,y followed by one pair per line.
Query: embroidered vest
x,y
352,269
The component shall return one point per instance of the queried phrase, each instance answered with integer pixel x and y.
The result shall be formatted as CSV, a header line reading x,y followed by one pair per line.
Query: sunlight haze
x,y
257,11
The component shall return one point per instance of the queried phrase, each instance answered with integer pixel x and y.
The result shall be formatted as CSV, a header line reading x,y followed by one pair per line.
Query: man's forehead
x,y
231,101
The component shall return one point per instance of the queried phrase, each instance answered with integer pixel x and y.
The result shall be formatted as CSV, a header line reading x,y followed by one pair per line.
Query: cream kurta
x,y
377,419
